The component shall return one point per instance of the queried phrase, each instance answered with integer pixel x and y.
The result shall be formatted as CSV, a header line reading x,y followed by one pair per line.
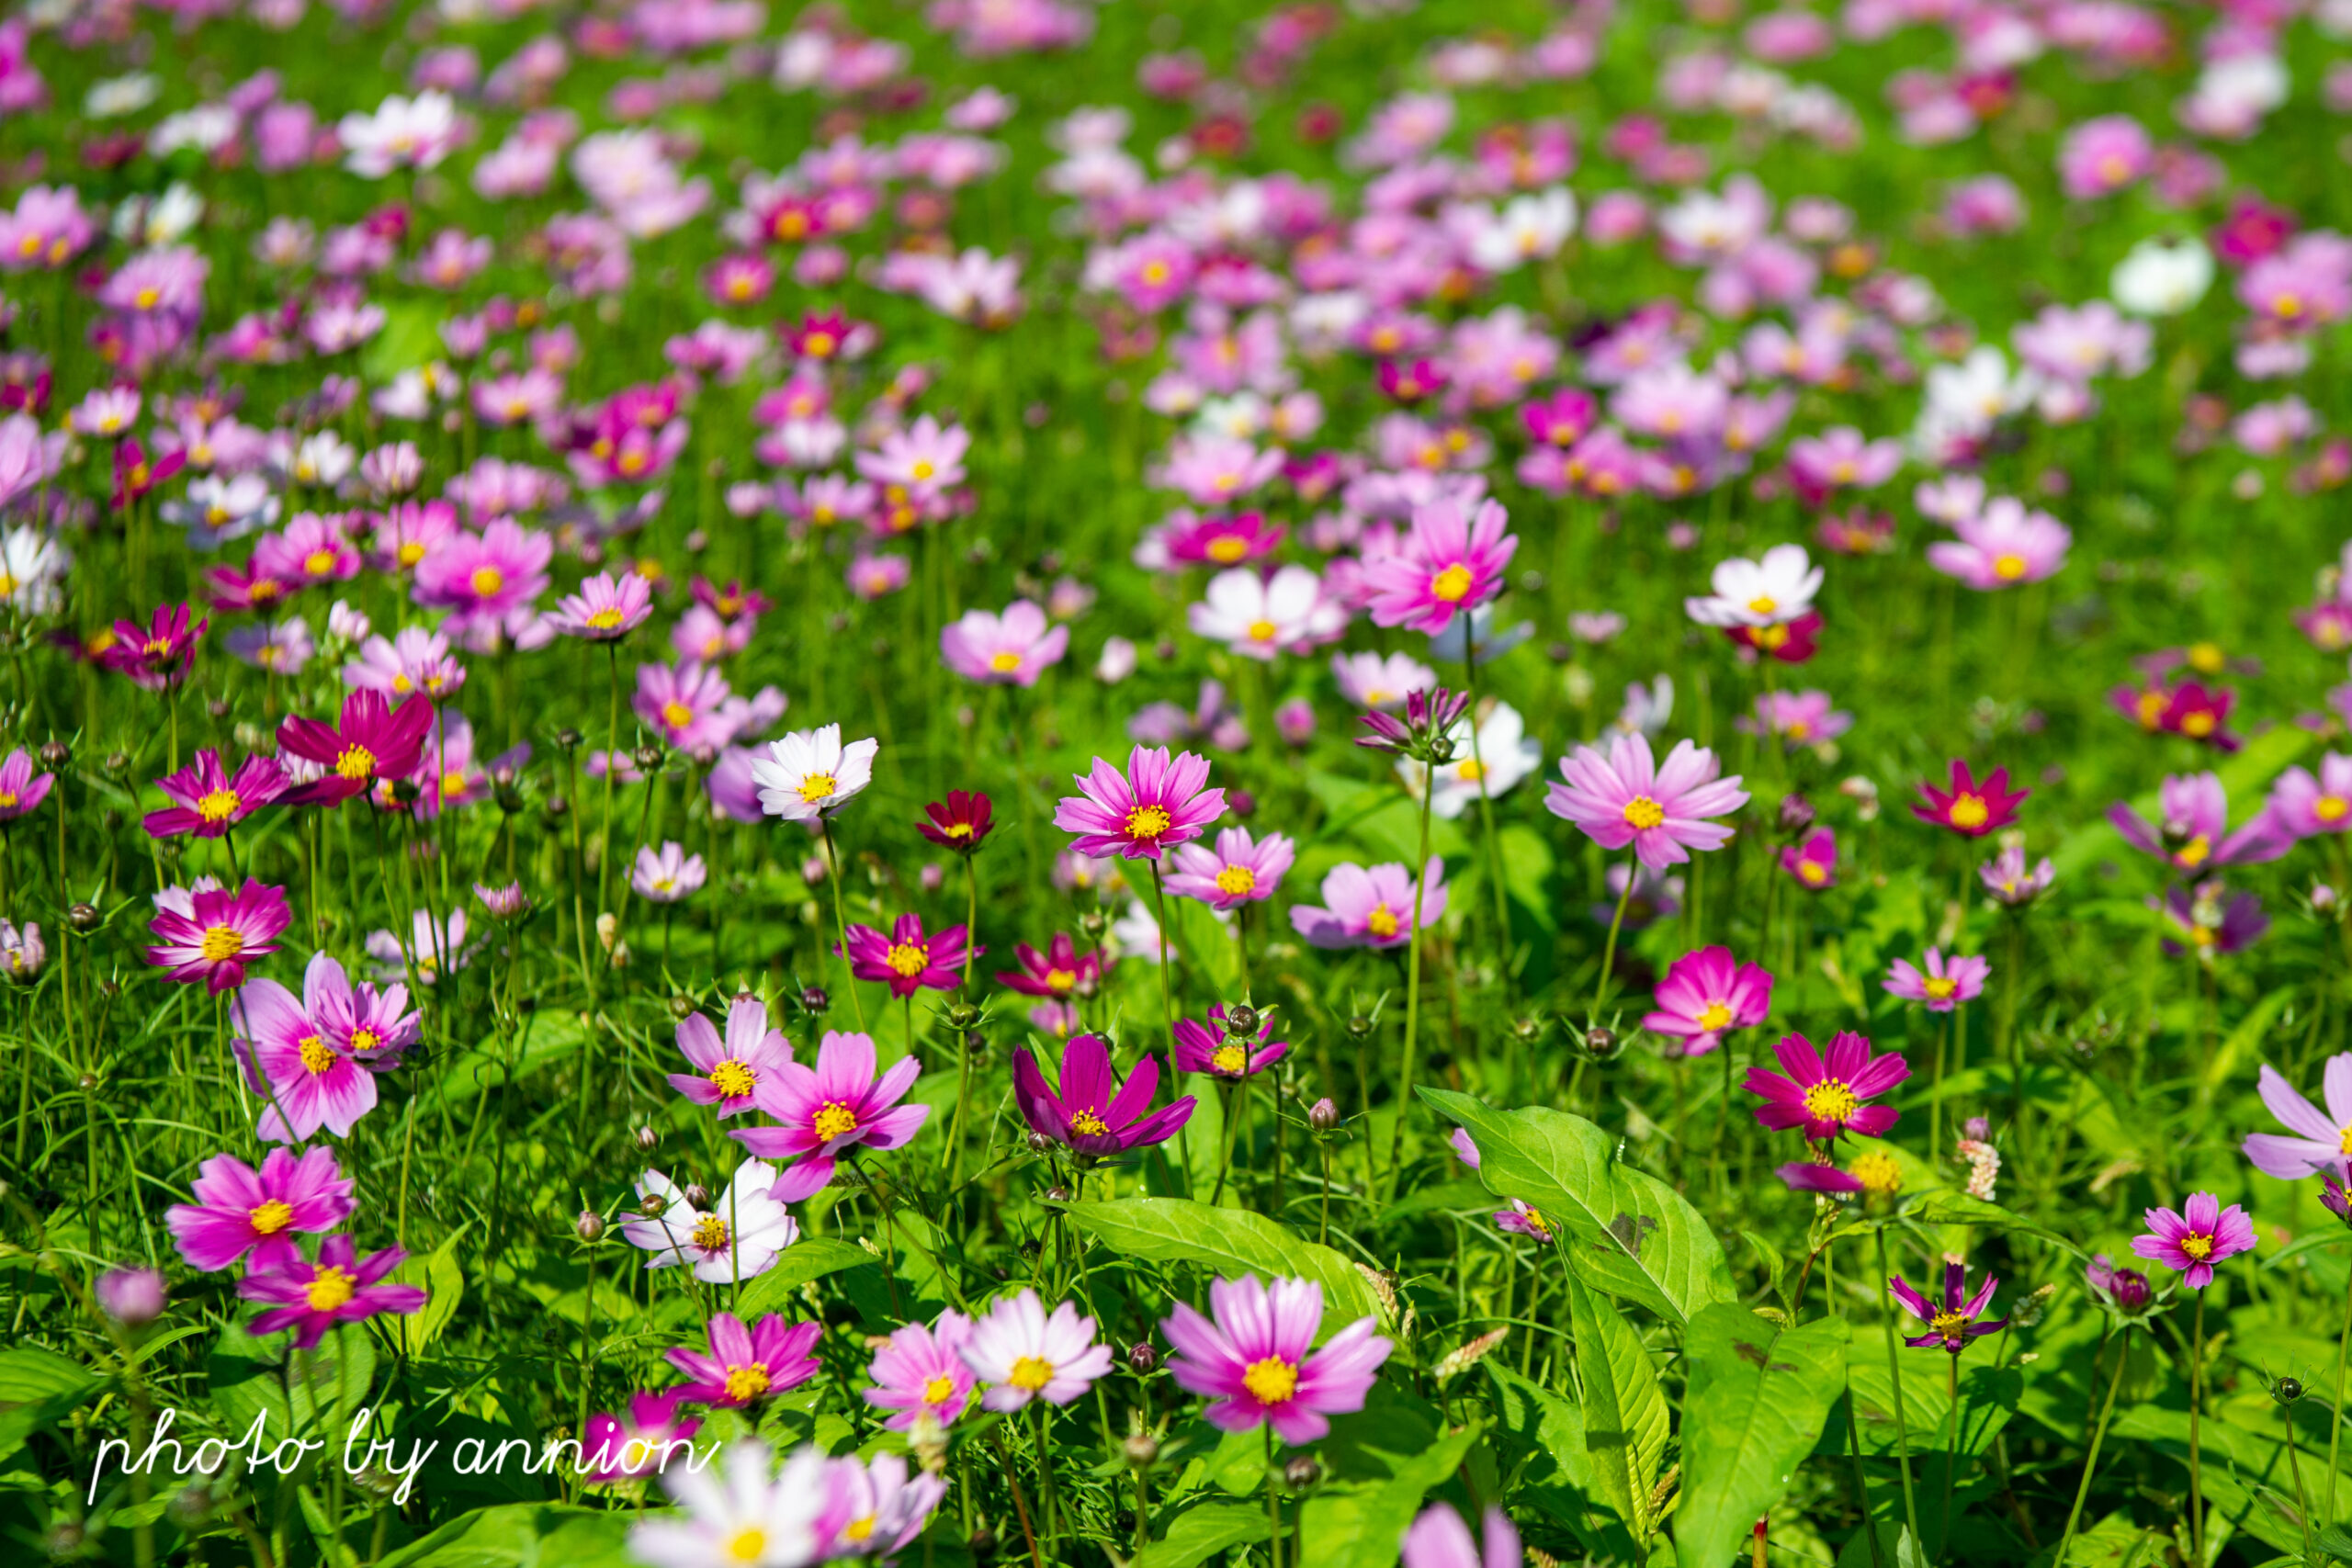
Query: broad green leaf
x,y
813,1257
1751,1413
523,1535
30,1373
445,1287
2246,1478
1200,1533
1203,945
1624,1411
1229,1242
1361,1527
1988,1397
325,1384
1542,1434
1628,1233
243,1374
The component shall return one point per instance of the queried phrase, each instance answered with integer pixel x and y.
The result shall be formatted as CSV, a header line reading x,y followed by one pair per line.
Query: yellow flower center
x,y
486,580
1031,1373
2196,1247
1878,1171
2344,1140
1230,1059
317,1057
270,1217
733,1079
958,829
922,468
222,943
909,959
2193,852
1382,921
606,619
834,1120
1236,880
356,762
1452,585
1643,813
1969,811
1939,987
1262,631
1831,1100
1147,822
146,298
1763,604
1005,663
677,714
2329,807
711,1233
2199,724
216,805
1716,1016
939,1390
1061,979
747,1382
1471,770
1089,1123
1272,1380
318,563
1226,548
1948,1322
365,1040
816,788
2009,567
747,1545
858,1528
411,553
2207,657
330,1288
1813,871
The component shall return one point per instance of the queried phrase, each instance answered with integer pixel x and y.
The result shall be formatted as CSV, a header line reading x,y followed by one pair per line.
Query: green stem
x,y
2196,1458
841,925
2335,1422
1412,998
1608,953
1902,1425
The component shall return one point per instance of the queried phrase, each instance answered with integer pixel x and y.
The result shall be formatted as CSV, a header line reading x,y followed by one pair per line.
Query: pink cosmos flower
x,y
1814,862
1027,1354
1381,683
210,934
685,703
2194,838
315,1061
907,960
1971,806
1213,1048
239,1210
1625,798
1154,806
1439,1538
667,875
2101,156
1952,1321
639,1443
1013,649
1447,562
1261,617
1254,1361
207,799
2193,1240
1371,907
311,1298
827,1110
1092,1114
412,661
1826,1097
2002,547
2314,1141
727,1073
2302,806
921,1371
21,790
1703,994
481,577
1799,719
1946,984
744,1364
1239,871
605,609
158,655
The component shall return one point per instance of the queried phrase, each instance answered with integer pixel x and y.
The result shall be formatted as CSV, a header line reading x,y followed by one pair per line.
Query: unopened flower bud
x,y
1094,922
648,757
1142,1450
567,740
1056,1193
132,1297
682,1006
83,917
1599,1042
1241,1020
1323,1116
557,808
1528,1029
814,999
697,1195
1796,813
589,1225
509,798
963,1015
1143,1357
647,1139
2324,898
1359,1027
55,755
1301,1472
1040,1144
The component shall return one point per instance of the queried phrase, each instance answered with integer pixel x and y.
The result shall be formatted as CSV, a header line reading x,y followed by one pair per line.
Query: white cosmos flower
x,y
739,1236
2162,279
1260,618
31,566
1505,754
740,1516
809,773
1530,227
1768,593
401,133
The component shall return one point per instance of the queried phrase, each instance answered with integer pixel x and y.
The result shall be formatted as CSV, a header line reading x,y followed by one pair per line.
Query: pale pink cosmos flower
x,y
1451,559
1241,870
2102,155
1254,1362
1026,1354
728,1072
921,1372
1945,983
1371,907
826,1110
2004,545
1771,591
1626,797
2315,1141
1013,649
1381,682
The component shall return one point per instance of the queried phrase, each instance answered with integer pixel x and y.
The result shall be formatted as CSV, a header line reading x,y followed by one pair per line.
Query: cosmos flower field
x,y
1025,781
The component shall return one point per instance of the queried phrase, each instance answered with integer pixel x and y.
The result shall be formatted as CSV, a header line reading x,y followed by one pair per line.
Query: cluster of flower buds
x,y
1425,733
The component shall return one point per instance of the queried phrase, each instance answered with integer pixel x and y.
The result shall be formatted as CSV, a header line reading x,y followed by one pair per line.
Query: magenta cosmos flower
x,y
606,609
1945,984
1814,862
1253,1363
1625,798
208,800
1952,1321
1241,870
211,934
1447,562
1705,993
920,1370
828,1110
371,740
1154,806
2315,1142
21,790
1060,971
2192,1241
312,1060
240,1210
1214,1049
1440,1540
2192,835
629,1446
1826,1097
907,960
1029,1354
1969,807
159,655
1010,649
771,1357
1093,1113
1371,906
727,1073
311,1298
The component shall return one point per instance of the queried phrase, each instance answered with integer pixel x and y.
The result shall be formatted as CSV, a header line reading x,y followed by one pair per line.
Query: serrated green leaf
x,y
812,1258
1226,1242
1628,1233
1624,1410
1751,1413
